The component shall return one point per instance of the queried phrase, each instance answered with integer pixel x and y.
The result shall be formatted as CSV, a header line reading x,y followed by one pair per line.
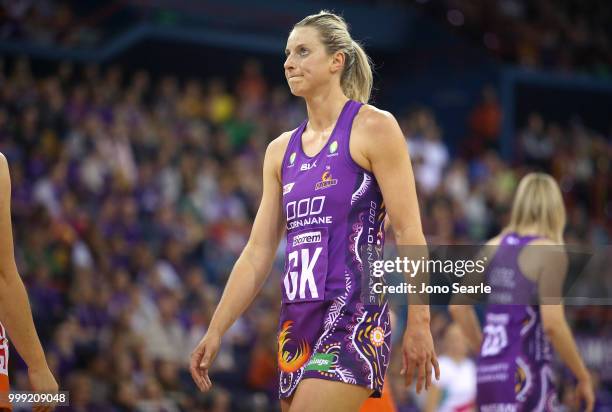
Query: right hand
x,y
584,392
419,356
42,380
201,359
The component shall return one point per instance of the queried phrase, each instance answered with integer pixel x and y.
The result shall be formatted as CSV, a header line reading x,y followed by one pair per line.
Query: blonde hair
x,y
356,79
538,203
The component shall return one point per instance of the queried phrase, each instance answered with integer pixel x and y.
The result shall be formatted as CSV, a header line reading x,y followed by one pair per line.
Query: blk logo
x,y
308,166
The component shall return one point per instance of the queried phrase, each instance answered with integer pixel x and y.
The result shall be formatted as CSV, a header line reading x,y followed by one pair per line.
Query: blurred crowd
x,y
131,201
467,197
566,35
554,34
49,22
133,196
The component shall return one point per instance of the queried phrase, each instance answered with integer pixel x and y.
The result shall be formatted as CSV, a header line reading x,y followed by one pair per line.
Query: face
x,y
308,66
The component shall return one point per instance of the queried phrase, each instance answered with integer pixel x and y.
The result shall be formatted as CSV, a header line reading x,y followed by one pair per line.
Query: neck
x,y
324,109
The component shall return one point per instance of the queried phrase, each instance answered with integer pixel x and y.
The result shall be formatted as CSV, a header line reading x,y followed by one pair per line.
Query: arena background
x,y
135,132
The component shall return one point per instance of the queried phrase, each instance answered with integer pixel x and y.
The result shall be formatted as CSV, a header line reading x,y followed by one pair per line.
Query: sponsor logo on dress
x,y
308,166
326,180
305,212
321,362
287,188
292,159
309,237
333,149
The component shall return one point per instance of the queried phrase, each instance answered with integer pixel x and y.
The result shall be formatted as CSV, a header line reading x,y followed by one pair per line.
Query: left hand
x,y
42,380
418,355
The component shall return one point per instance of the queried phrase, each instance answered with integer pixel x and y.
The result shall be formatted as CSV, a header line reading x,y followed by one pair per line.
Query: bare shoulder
x,y
279,145
546,250
5,180
543,242
490,246
4,170
372,120
375,135
276,150
495,241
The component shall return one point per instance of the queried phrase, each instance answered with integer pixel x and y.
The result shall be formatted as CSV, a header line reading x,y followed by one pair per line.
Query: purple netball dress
x,y
514,372
334,210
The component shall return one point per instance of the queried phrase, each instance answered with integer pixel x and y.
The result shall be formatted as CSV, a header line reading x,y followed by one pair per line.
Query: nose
x,y
289,65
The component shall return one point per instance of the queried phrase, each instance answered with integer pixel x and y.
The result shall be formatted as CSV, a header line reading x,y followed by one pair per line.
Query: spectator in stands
x,y
456,391
485,122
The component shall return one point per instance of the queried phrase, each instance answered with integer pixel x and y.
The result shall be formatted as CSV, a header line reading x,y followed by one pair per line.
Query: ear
x,y
337,62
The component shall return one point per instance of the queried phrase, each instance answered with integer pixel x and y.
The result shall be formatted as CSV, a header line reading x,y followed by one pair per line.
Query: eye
x,y
303,51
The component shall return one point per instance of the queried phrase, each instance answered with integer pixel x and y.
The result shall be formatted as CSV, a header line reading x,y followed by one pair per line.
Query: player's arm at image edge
x,y
15,311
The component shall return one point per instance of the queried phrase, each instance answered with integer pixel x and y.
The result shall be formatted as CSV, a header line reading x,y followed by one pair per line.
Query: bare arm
x,y
466,317
386,151
560,335
552,274
253,266
251,269
15,311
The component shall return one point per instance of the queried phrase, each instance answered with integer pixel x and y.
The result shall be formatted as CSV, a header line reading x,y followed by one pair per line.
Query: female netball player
x,y
513,371
15,313
328,183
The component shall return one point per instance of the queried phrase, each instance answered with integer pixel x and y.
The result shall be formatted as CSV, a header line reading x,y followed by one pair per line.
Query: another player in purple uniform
x,y
514,372
329,184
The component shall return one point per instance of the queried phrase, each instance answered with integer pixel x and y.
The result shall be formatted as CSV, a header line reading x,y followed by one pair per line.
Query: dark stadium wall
x,y
564,105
